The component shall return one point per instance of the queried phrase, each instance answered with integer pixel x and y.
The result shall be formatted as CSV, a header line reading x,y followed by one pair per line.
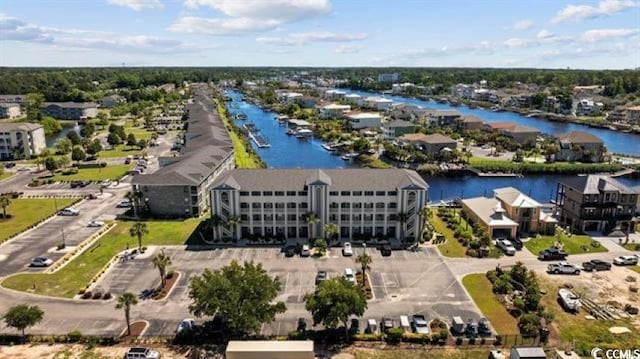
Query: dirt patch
x,y
368,291
137,329
162,292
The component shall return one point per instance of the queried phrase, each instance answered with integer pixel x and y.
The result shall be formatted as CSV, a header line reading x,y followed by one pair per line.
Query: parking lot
x,y
404,283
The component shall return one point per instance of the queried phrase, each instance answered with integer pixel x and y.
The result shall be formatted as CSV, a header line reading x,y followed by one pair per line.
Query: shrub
x,y
106,296
394,335
519,303
492,276
415,338
498,340
170,274
444,335
368,337
87,295
295,335
458,341
472,252
97,295
74,336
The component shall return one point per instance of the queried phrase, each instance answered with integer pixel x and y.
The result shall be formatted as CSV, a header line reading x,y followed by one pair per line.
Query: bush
x,y
444,335
394,335
368,337
170,274
74,336
498,340
106,296
472,253
296,335
97,295
87,295
415,338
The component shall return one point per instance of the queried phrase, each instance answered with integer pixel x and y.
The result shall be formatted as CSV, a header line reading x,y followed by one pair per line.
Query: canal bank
x,y
289,152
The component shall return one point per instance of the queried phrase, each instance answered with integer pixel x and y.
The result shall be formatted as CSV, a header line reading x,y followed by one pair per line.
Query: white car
x,y
349,275
186,325
306,251
69,212
124,204
629,260
41,262
105,183
141,353
95,223
347,251
506,246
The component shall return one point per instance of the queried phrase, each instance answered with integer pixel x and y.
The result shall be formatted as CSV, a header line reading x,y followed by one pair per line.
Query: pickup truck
x,y
563,268
596,265
552,253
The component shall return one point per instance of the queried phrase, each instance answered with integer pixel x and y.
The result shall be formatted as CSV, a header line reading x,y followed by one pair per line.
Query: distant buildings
x,y
180,188
397,128
274,203
391,77
596,203
79,111
580,146
442,117
334,95
18,99
360,120
10,110
378,103
469,123
20,140
112,101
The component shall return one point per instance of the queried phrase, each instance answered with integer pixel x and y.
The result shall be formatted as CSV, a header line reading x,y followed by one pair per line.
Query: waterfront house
x,y
580,146
442,117
595,203
79,111
633,115
378,103
306,101
334,111
19,99
587,107
619,114
180,187
288,96
10,110
112,101
354,99
406,112
21,140
489,214
334,95
430,144
526,212
469,123
397,128
523,135
402,88
363,203
359,120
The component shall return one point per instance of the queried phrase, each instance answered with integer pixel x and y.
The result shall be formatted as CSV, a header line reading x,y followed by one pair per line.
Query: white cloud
x,y
313,36
233,26
138,5
348,49
249,16
523,25
545,34
604,8
518,42
481,48
603,34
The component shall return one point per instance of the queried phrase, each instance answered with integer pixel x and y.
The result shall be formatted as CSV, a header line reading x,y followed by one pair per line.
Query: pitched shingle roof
x,y
593,184
579,137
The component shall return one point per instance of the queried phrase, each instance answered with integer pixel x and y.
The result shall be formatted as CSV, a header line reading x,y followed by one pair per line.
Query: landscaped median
x,y
79,272
111,172
28,213
451,247
572,245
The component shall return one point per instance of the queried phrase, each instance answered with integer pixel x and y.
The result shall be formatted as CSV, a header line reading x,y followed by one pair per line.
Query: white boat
x,y
291,131
349,156
328,147
304,132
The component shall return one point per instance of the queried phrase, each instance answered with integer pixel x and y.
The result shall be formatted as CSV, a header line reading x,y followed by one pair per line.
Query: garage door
x,y
501,232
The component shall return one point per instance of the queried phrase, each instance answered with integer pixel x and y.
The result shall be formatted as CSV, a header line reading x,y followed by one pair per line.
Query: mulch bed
x,y
163,292
136,330
368,291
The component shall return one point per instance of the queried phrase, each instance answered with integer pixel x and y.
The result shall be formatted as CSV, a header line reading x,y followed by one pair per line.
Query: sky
x,y
333,33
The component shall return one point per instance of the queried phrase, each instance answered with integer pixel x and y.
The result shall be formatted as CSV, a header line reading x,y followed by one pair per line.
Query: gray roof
x,y
207,145
70,104
336,179
530,352
399,123
19,126
579,137
594,184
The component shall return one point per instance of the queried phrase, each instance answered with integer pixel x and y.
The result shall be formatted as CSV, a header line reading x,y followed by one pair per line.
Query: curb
x,y
79,249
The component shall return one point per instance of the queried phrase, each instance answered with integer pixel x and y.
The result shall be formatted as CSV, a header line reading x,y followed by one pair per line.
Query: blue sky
x,y
466,33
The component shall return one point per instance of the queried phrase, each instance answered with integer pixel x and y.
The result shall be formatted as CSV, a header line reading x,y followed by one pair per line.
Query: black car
x,y
321,277
552,254
302,325
596,265
385,250
9,165
289,251
517,243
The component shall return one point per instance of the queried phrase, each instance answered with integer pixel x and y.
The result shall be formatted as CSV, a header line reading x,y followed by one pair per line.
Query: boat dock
x,y
254,134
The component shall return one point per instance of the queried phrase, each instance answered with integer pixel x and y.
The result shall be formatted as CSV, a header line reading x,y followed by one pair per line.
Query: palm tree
x,y
133,199
125,301
311,219
231,224
331,231
4,203
402,218
138,230
216,222
364,260
162,261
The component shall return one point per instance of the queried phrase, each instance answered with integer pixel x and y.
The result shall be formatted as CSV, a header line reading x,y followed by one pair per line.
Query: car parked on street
x,y
596,265
41,262
125,203
69,212
141,353
347,251
419,324
563,268
385,250
552,254
628,260
306,251
95,223
186,326
506,246
105,183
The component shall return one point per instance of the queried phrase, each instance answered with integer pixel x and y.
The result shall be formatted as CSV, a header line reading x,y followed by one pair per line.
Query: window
x,y
333,217
244,217
255,193
357,193
280,205
333,193
379,217
291,205
380,193
268,217
344,217
333,205
392,193
368,193
345,205
368,205
380,205
345,193
393,205
267,193
357,217
291,193
244,205
256,217
303,205
357,205
244,193
268,205
279,193
255,205
291,217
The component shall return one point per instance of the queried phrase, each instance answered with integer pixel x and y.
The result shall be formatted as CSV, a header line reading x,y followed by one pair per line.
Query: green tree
x,y
243,296
334,301
88,130
138,230
125,302
74,137
94,147
118,130
364,260
331,231
321,246
51,164
78,154
113,139
50,125
22,317
142,143
529,324
216,222
32,104
311,219
131,140
161,261
5,201
63,146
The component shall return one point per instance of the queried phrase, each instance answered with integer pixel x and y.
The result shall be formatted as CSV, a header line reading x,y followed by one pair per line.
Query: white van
x,y
404,323
348,275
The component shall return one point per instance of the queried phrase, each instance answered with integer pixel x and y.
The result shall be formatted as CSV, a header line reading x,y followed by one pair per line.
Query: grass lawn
x,y
586,333
572,245
480,289
6,175
25,212
112,172
75,276
635,269
632,246
421,353
451,247
139,132
121,151
244,159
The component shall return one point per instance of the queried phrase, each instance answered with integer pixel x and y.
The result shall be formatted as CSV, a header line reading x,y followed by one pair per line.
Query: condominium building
x,y
10,110
19,140
361,202
70,110
595,203
180,188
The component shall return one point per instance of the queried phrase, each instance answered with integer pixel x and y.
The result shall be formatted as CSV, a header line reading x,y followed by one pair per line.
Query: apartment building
x,y
19,140
361,202
17,99
595,203
180,188
633,115
10,110
397,128
79,111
